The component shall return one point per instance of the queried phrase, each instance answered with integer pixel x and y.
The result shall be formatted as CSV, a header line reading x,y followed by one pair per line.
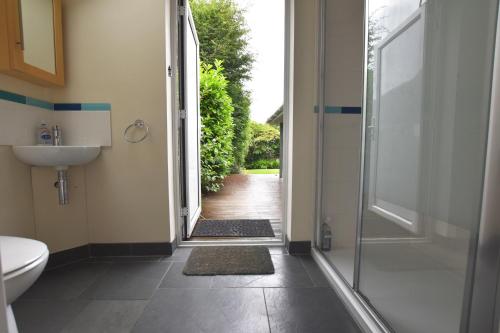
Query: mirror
x,y
37,30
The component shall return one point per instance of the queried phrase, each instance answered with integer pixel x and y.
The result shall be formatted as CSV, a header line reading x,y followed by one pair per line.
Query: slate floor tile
x,y
136,280
66,282
289,272
180,254
107,316
175,279
150,294
315,273
205,310
277,250
46,316
307,310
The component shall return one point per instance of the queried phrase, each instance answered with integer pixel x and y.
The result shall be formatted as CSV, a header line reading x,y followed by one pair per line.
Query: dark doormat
x,y
233,228
229,260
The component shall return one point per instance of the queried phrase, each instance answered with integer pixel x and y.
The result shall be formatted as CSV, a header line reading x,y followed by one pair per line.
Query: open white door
x,y
396,124
191,120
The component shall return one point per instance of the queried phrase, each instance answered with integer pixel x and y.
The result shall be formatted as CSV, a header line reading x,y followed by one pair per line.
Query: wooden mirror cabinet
x,y
31,42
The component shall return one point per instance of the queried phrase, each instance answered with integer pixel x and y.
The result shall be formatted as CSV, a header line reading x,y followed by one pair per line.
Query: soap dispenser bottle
x,y
44,137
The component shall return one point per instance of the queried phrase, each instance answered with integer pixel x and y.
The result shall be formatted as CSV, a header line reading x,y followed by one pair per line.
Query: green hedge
x,y
217,127
223,34
264,149
264,164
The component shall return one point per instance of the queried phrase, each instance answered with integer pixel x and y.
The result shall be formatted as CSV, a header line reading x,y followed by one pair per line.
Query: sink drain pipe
x,y
62,186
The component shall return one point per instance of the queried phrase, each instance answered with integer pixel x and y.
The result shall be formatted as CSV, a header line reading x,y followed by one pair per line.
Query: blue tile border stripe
x,y
21,99
340,109
67,107
96,107
11,97
39,103
351,110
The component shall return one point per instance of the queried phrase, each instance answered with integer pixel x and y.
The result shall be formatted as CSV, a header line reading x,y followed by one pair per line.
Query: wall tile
x,y
85,128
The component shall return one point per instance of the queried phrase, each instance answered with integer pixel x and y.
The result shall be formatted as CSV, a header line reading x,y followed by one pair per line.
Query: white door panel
x,y
192,121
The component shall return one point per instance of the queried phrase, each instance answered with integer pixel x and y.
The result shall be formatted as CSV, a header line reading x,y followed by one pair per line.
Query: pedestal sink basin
x,y
59,157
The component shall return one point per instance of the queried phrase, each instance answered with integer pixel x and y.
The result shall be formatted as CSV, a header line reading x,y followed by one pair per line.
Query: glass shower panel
x,y
427,104
341,135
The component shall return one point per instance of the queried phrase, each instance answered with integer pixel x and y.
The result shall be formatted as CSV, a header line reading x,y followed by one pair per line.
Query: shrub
x,y
264,164
241,117
216,127
264,149
224,34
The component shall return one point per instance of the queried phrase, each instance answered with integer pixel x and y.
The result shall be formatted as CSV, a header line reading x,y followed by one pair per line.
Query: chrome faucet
x,y
56,136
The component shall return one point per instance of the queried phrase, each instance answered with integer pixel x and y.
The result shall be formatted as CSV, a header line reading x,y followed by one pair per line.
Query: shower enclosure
x,y
413,232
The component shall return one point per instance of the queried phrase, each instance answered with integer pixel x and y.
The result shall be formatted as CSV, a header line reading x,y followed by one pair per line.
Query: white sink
x,y
59,157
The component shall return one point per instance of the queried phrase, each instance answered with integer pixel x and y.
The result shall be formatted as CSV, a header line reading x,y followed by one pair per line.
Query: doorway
x,y
247,202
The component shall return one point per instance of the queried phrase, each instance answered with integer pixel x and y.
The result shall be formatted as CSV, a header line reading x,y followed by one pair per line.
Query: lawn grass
x,y
261,172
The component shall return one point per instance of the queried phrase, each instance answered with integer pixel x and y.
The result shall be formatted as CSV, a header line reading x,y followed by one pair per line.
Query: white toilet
x,y
23,260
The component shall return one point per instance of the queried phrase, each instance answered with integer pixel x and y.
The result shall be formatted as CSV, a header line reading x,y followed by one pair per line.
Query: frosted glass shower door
x,y
427,104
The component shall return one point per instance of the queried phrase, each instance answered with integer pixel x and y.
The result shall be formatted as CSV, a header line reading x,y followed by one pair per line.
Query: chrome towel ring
x,y
140,125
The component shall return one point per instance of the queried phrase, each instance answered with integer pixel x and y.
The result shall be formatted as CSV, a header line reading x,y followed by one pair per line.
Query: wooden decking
x,y
246,197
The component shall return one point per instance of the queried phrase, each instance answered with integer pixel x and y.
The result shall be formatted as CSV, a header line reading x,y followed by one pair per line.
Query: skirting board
x,y
365,318
110,250
298,247
131,249
68,256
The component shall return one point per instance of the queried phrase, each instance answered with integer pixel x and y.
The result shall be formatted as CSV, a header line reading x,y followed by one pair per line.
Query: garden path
x,y
246,197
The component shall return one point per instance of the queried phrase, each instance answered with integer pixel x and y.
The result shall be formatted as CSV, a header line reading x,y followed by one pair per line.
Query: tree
x,y
223,34
375,33
264,151
216,127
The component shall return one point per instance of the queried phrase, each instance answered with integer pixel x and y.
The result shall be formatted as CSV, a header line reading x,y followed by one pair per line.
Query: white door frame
x,y
174,127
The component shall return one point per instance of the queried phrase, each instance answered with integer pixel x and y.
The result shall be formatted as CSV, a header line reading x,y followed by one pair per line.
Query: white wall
x,y
16,196
342,132
344,82
115,53
304,120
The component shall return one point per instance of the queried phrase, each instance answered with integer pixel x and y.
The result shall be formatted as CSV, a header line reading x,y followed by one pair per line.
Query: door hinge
x,y
182,10
169,71
182,114
184,211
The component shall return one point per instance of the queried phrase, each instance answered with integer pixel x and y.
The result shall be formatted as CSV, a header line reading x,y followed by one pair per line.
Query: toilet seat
x,y
19,254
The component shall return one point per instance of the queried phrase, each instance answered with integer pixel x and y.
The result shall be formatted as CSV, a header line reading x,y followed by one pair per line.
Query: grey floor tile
x,y
175,279
205,310
180,254
66,282
308,310
289,272
46,316
107,316
315,273
136,280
